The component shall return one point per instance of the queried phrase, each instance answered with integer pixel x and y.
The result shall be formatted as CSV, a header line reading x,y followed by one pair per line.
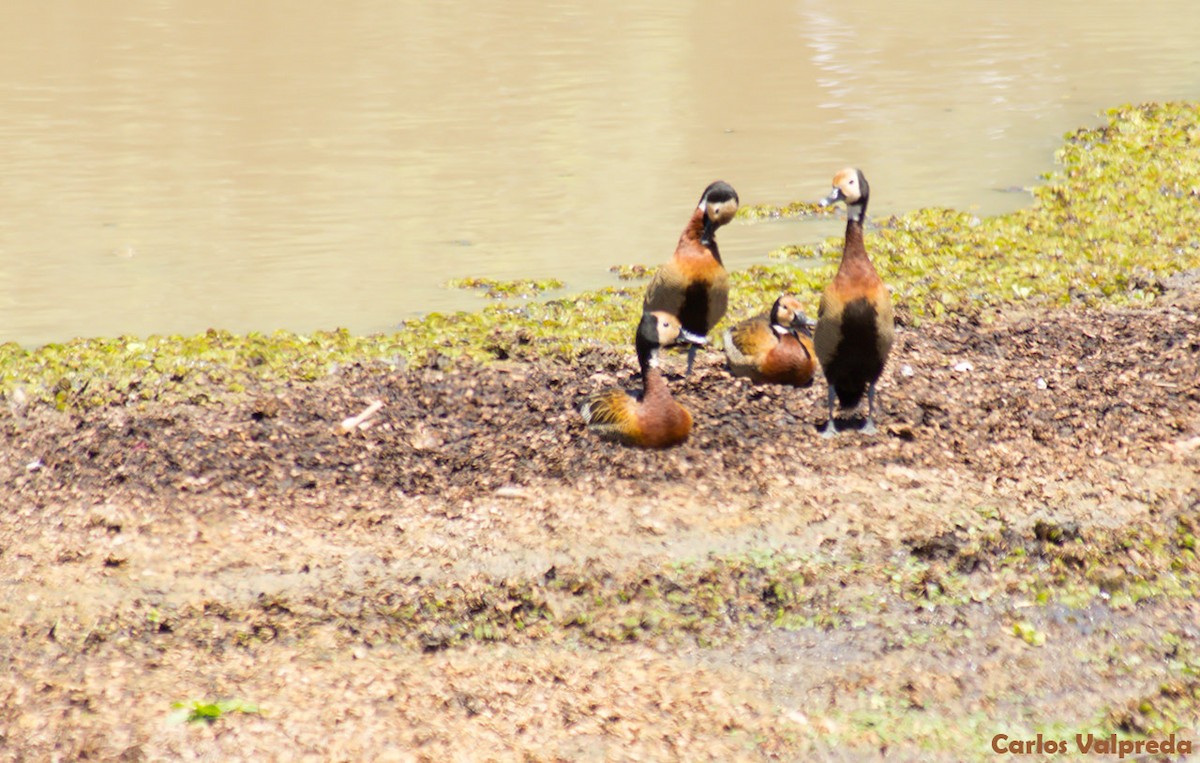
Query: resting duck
x,y
652,419
855,325
774,347
693,285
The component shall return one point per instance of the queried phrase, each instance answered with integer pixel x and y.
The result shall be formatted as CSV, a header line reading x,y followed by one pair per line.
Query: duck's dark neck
x,y
854,248
854,233
700,229
654,384
646,354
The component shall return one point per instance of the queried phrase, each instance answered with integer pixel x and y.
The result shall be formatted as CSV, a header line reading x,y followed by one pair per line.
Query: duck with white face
x,y
651,419
693,285
774,347
855,322
849,187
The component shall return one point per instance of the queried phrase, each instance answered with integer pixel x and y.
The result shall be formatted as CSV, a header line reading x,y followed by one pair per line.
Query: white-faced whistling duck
x,y
652,419
855,324
774,347
693,286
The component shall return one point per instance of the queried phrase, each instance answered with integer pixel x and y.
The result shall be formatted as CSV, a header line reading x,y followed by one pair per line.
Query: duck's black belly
x,y
693,316
857,362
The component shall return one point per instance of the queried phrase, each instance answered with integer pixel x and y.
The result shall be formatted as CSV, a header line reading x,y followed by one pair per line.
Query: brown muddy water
x,y
173,166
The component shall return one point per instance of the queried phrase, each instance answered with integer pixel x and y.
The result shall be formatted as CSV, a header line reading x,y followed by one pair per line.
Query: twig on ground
x,y
360,421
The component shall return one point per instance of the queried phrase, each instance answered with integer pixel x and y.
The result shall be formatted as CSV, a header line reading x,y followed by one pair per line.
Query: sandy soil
x,y
475,577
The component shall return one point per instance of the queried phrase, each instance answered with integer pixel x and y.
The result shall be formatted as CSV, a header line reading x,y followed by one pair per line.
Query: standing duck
x,y
854,322
774,347
693,286
652,419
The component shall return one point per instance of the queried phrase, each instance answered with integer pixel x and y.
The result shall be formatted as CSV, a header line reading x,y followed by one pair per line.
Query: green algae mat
x,y
1120,213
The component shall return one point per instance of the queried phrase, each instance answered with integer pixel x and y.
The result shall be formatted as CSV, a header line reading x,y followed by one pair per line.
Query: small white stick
x,y
360,421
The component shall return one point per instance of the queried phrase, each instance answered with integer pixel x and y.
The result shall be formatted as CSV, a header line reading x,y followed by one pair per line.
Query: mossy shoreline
x,y
1119,214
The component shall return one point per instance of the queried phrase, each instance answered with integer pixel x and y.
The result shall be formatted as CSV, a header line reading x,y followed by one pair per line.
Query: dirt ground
x,y
475,577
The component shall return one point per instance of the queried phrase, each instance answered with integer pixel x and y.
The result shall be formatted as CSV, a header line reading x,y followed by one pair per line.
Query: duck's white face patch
x,y
789,307
846,181
722,212
668,329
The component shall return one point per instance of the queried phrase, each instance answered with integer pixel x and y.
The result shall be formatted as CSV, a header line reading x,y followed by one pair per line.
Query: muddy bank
x,y
474,576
